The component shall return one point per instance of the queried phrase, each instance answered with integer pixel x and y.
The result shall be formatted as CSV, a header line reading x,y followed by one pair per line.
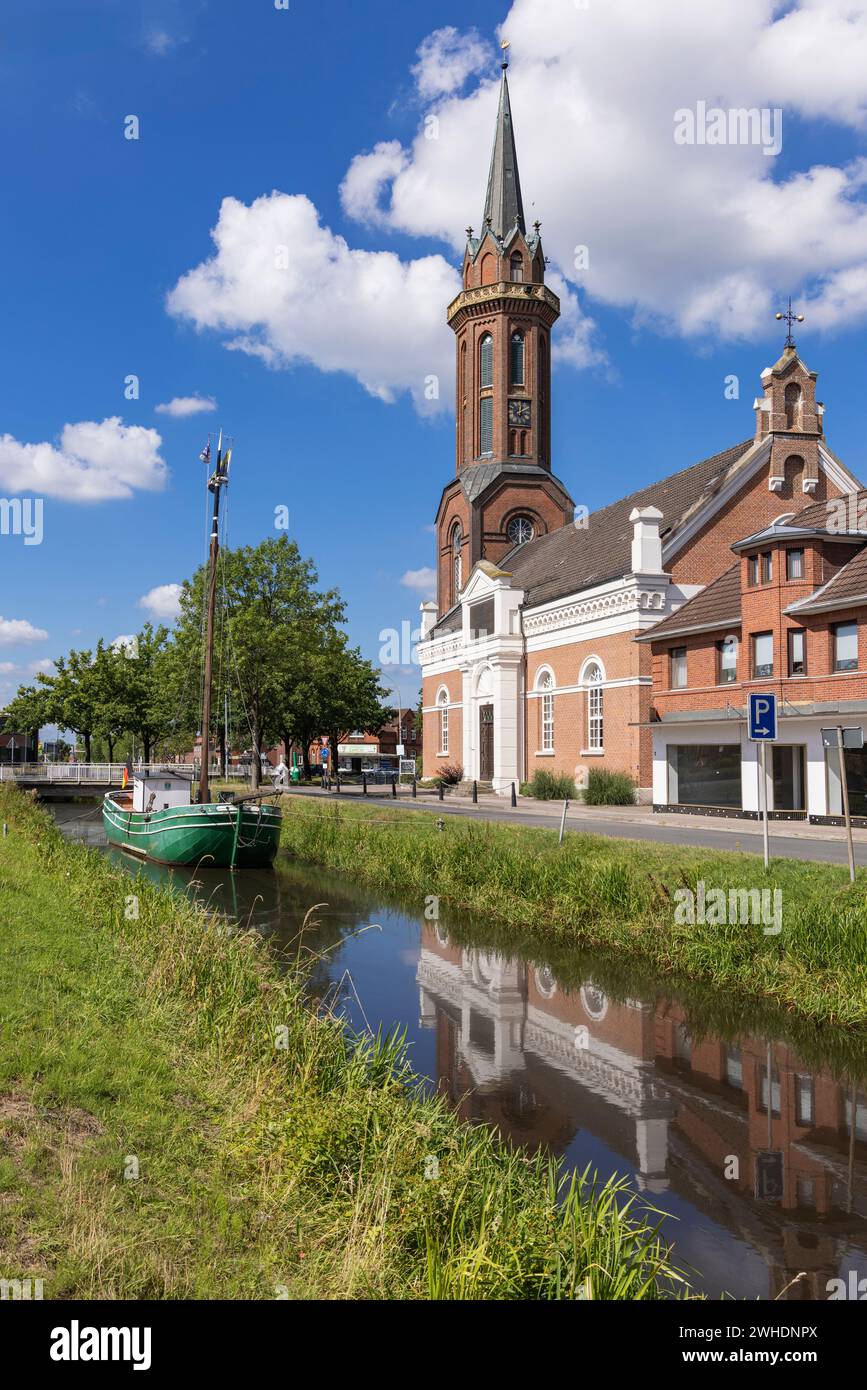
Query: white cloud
x,y
182,406
162,602
423,580
126,640
45,664
446,58
6,667
159,42
691,239
13,630
94,461
366,313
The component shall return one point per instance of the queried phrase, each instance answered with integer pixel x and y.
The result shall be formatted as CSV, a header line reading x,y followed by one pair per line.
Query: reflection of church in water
x,y
547,1066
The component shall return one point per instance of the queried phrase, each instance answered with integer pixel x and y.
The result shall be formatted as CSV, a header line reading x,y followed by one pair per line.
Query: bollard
x,y
563,822
337,784
364,784
514,798
442,790
475,793
394,786
414,790
5,829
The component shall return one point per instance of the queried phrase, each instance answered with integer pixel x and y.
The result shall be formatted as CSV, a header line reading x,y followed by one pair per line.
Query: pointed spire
x,y
503,206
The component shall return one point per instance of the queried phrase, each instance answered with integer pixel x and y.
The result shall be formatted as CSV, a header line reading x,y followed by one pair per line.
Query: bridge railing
x,y
108,773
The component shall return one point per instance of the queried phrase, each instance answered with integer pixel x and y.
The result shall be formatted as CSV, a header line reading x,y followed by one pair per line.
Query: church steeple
x,y
504,209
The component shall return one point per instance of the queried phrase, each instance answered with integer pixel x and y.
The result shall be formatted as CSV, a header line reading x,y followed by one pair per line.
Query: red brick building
x,y
528,656
787,617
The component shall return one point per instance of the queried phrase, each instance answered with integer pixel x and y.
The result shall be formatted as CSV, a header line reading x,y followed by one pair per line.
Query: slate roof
x,y
717,605
477,476
503,203
570,559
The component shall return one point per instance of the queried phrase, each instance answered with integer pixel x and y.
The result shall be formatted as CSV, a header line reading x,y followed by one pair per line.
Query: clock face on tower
x,y
519,413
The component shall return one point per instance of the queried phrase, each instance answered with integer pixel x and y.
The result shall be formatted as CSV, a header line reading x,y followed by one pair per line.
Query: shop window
x,y
705,774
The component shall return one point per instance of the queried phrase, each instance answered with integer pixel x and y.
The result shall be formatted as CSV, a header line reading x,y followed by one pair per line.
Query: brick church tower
x,y
504,492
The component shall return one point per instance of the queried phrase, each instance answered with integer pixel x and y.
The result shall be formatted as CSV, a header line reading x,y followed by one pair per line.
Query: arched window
x,y
595,709
462,402
516,359
545,683
443,703
486,362
793,406
517,266
457,561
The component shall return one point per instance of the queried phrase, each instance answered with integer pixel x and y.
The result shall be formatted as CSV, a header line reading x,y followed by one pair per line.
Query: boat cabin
x,y
156,791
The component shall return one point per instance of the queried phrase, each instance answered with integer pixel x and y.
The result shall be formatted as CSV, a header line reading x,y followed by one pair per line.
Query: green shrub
x,y
549,786
450,775
609,788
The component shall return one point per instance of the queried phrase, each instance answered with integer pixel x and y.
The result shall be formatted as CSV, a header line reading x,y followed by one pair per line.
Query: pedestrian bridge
x,y
81,779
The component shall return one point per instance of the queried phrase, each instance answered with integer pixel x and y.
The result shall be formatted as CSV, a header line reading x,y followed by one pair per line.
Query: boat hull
x,y
196,834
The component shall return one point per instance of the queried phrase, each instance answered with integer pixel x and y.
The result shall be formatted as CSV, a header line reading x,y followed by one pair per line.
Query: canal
x,y
600,1066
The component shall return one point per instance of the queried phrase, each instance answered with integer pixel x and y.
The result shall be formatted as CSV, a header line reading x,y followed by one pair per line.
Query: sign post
x,y
763,730
841,739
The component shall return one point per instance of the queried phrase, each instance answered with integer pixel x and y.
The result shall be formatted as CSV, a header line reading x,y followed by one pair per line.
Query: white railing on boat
x,y
79,773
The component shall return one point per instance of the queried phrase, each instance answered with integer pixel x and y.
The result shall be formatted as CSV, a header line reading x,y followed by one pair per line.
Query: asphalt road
x,y
804,847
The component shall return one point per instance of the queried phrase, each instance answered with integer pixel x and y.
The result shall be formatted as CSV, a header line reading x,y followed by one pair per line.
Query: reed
x,y
181,1121
605,894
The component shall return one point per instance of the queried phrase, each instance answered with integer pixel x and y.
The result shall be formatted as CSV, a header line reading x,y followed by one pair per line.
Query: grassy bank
x,y
616,895
178,1121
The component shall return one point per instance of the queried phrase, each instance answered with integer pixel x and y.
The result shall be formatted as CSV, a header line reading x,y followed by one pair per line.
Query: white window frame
x,y
443,706
594,677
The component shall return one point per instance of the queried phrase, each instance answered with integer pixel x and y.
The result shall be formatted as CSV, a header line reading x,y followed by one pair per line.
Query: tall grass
x,y
614,895
278,1151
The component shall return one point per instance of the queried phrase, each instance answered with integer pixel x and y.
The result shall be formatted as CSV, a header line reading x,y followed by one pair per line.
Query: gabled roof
x,y
503,203
570,559
716,606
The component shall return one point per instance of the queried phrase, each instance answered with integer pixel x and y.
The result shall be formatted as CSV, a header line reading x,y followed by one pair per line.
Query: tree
x,y
72,695
341,691
270,615
28,712
149,707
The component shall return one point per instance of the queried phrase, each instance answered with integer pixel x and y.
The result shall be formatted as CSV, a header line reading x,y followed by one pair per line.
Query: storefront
x,y
711,768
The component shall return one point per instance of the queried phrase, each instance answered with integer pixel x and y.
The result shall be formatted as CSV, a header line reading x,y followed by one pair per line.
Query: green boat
x,y
157,818
230,835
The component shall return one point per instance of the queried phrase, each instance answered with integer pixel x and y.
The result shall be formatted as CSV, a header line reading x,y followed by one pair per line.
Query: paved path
x,y
788,840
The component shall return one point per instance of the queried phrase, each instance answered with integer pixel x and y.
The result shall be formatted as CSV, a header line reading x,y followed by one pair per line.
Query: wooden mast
x,y
215,482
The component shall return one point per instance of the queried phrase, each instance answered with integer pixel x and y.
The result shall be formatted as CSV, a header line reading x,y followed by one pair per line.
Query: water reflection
x,y
754,1144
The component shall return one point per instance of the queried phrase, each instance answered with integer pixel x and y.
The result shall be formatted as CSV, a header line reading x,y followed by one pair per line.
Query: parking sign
x,y
763,718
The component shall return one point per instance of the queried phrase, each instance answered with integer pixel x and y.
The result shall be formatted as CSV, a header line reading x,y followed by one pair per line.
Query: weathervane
x,y
505,46
790,319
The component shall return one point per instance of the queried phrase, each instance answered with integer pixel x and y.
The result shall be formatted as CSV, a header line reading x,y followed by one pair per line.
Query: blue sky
x,y
235,100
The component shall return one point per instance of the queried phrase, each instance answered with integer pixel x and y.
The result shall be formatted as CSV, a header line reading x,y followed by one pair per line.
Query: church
x,y
536,653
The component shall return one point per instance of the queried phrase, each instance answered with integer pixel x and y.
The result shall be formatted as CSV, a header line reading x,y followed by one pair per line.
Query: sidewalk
x,y
548,813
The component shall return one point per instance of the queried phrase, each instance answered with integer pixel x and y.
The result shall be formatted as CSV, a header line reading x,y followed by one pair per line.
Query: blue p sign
x,y
763,717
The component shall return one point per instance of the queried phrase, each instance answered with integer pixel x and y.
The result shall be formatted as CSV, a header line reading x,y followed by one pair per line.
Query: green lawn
x,y
178,1121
